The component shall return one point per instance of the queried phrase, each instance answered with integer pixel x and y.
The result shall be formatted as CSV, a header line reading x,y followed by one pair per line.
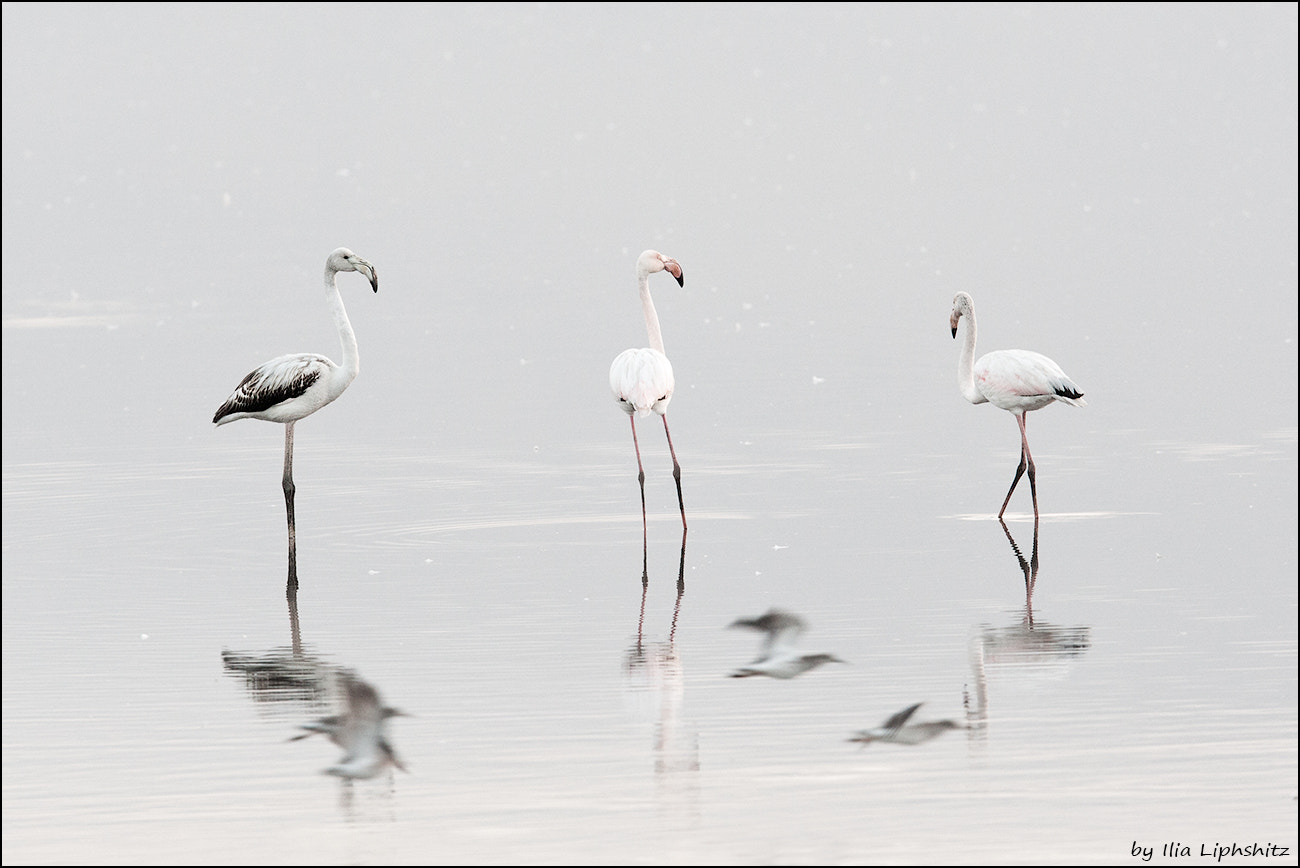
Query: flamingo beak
x,y
369,271
671,266
952,321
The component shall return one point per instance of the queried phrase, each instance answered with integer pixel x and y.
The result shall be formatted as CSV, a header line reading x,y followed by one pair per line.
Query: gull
x,y
779,658
897,730
362,732
332,726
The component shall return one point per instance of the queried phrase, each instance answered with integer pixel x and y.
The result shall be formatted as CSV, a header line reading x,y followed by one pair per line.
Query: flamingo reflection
x,y
657,669
303,680
1031,645
283,674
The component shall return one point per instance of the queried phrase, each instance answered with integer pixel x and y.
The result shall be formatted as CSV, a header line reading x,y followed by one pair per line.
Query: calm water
x,y
564,712
468,521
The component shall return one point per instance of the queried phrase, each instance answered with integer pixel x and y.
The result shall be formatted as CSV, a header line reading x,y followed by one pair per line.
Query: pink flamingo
x,y
642,379
1015,380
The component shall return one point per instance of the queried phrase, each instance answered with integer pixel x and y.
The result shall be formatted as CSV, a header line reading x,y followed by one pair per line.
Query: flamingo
x,y
1015,380
642,379
294,386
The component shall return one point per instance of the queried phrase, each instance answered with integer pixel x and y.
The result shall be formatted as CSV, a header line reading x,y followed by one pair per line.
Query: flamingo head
x,y
962,305
652,262
345,260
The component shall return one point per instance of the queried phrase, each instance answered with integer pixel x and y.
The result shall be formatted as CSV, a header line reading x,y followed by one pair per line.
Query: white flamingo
x,y
642,379
291,387
1015,380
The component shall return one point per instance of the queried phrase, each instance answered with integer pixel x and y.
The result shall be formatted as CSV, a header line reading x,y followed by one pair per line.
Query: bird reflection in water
x,y
285,674
1031,645
897,730
654,669
296,676
778,657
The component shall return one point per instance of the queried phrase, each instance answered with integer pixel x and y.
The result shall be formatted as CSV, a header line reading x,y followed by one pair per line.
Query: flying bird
x,y
642,379
898,731
362,732
333,726
778,657
292,387
1015,380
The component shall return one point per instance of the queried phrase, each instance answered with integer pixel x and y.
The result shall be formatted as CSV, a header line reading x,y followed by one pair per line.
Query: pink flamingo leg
x,y
1026,462
677,473
640,478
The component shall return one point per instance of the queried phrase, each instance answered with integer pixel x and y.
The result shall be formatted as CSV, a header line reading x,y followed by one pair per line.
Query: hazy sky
x,y
1117,180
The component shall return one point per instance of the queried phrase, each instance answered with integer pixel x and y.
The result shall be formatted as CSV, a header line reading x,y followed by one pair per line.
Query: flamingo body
x,y
642,381
1022,380
285,389
1018,381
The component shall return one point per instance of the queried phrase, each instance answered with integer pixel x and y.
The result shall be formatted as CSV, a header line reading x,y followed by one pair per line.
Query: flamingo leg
x,y
681,581
1026,460
640,478
1033,476
645,562
677,473
1033,577
1029,568
288,503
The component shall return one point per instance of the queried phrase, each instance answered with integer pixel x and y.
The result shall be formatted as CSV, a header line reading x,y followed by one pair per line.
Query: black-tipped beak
x,y
369,271
673,268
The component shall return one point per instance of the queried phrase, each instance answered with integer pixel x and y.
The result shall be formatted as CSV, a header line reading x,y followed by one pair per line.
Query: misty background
x,y
1115,185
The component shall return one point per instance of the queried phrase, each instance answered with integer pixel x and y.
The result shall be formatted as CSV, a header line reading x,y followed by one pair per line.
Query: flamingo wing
x,y
1024,380
281,379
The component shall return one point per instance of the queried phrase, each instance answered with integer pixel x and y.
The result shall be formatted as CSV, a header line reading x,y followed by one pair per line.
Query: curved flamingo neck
x,y
347,371
966,363
651,318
